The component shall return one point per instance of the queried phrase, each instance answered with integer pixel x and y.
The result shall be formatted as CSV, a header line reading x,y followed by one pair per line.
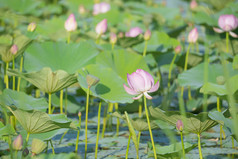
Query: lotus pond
x,y
118,79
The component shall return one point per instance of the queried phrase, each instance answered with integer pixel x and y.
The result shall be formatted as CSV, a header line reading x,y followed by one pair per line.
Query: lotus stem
x,y
128,145
98,39
98,128
118,120
186,58
170,69
37,93
113,46
189,93
219,110
13,77
77,141
6,76
197,47
66,99
181,135
52,146
61,101
199,147
104,121
233,143
49,109
140,110
86,122
63,136
68,39
145,48
27,138
227,42
10,145
139,133
151,135
109,117
19,78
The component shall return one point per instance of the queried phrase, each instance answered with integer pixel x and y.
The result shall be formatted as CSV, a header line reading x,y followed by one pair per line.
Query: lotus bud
x,y
193,36
179,125
82,9
147,35
31,27
178,49
113,38
193,4
101,27
17,143
133,32
25,152
70,24
14,49
79,114
37,146
92,80
220,80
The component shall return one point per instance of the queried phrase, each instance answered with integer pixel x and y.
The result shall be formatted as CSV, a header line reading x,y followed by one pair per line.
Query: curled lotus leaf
x,y
47,80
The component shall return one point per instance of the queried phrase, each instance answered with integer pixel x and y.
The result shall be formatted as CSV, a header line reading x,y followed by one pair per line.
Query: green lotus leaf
x,y
133,133
59,56
6,130
194,77
46,80
22,100
122,62
172,150
159,42
35,122
110,87
235,62
140,124
21,41
192,123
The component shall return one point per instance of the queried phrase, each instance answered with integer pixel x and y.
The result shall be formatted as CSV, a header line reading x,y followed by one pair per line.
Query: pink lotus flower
x,y
147,35
193,36
31,27
193,4
70,24
101,27
17,143
134,32
227,23
102,7
179,125
113,38
14,49
140,83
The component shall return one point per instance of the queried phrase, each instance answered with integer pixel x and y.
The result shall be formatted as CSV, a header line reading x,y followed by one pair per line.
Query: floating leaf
x,y
35,122
172,150
192,123
22,100
46,80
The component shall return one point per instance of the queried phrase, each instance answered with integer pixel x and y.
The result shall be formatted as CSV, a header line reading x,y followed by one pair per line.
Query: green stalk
x,y
63,136
86,123
61,101
13,77
189,93
27,138
113,46
68,39
170,69
37,93
10,145
181,134
52,146
66,99
219,109
98,39
98,129
49,109
19,78
199,147
128,145
145,48
104,121
6,76
151,135
227,42
139,133
77,141
118,120
140,110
